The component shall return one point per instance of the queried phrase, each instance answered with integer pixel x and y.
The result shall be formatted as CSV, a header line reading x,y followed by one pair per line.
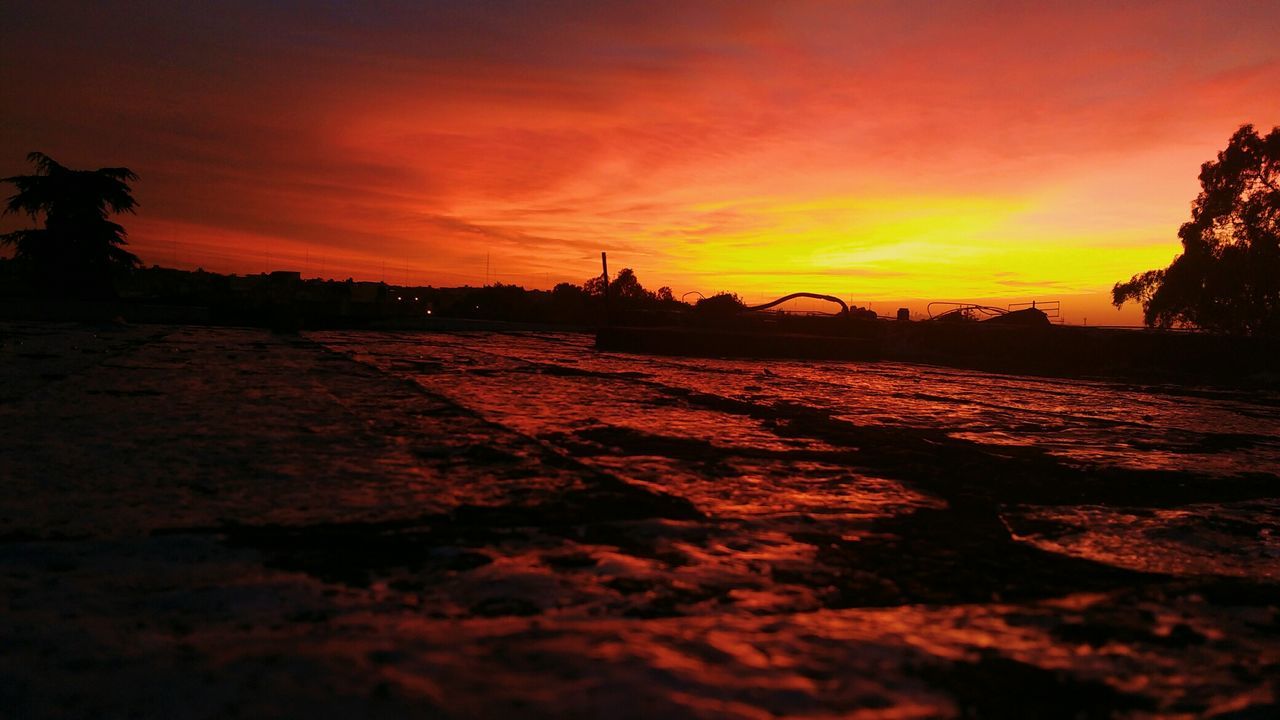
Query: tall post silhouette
x,y
604,265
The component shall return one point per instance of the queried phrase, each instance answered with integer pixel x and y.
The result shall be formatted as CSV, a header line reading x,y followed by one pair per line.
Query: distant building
x,y
367,292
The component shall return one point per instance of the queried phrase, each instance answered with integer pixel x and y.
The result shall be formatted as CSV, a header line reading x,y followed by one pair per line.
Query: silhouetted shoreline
x,y
1144,356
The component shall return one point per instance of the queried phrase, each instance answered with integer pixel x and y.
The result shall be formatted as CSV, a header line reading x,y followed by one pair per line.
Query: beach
x,y
223,522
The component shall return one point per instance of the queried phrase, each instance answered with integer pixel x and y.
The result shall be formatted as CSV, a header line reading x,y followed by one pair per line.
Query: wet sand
x,y
211,522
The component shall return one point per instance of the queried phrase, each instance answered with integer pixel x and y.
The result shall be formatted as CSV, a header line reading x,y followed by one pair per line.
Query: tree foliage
x,y
1228,276
625,290
78,244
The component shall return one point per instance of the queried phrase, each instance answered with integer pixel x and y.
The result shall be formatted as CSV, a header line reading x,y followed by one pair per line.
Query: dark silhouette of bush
x,y
723,303
79,250
1227,278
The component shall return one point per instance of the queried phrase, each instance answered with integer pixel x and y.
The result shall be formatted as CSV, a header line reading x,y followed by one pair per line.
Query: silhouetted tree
x,y
1228,275
568,291
594,286
569,303
627,287
625,293
78,245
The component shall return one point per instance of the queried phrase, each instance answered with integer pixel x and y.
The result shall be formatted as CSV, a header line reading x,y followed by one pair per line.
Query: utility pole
x,y
604,265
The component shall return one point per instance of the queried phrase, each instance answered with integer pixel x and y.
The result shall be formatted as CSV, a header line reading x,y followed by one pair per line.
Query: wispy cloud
x,y
746,141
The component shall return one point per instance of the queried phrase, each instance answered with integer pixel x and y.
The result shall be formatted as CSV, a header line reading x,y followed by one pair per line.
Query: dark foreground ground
x,y
224,523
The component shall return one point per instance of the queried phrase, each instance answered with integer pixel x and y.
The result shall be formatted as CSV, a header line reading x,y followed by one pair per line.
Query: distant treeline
x,y
282,296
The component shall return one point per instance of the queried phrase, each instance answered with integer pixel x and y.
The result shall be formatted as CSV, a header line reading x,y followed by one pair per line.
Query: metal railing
x,y
1051,308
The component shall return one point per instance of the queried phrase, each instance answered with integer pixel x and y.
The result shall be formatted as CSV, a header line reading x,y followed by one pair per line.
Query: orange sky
x,y
876,150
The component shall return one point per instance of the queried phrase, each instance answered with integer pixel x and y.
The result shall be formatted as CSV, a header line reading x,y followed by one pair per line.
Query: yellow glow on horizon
x,y
910,247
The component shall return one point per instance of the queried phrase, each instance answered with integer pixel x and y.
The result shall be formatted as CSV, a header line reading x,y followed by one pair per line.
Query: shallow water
x,y
631,414
889,539
497,525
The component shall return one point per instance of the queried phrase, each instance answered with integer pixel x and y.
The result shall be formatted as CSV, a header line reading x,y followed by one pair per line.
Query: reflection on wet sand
x,y
488,524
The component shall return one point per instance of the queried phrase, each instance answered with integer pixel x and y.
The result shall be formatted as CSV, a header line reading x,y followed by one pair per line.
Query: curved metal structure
x,y
964,310
844,308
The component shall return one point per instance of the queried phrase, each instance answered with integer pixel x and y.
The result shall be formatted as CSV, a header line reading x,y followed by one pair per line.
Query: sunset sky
x,y
876,150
